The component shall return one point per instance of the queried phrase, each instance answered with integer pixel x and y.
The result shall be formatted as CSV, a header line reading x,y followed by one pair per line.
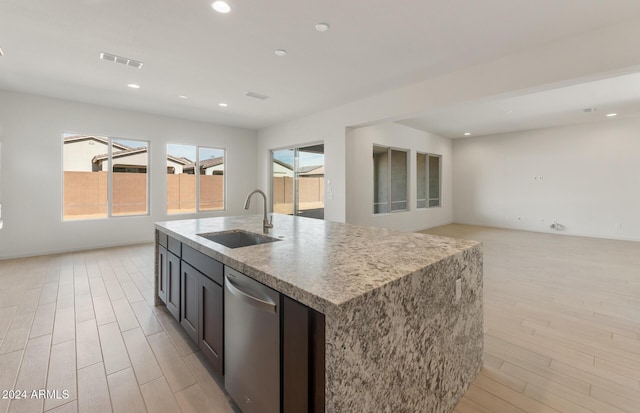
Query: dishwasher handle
x,y
265,305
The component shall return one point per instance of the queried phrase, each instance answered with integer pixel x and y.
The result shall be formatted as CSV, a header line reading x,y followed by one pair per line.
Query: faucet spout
x,y
265,222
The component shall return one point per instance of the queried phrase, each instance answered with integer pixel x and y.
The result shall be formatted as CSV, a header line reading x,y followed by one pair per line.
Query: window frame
x,y
389,201
296,178
110,214
428,199
196,171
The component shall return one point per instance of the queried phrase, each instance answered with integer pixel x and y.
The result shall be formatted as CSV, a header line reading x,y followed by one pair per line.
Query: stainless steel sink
x,y
237,238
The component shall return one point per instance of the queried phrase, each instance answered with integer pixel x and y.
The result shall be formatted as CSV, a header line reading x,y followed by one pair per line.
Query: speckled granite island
x,y
396,338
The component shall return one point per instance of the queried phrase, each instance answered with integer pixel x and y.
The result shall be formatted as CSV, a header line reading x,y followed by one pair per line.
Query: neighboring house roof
x,y
283,164
133,151
207,163
181,160
118,154
303,170
79,138
312,170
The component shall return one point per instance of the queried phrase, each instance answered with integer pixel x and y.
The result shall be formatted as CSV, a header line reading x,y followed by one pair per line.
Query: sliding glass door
x,y
282,185
298,181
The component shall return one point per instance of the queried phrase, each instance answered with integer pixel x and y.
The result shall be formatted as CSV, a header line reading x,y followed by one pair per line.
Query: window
x,y
390,179
195,179
297,186
104,177
428,180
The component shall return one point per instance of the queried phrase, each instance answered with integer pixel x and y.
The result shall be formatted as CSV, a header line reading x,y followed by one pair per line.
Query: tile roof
x,y
78,138
131,151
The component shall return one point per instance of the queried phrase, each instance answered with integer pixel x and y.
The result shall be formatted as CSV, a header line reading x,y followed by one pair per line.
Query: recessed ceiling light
x,y
610,115
133,86
467,134
1,52
281,52
223,105
322,27
221,7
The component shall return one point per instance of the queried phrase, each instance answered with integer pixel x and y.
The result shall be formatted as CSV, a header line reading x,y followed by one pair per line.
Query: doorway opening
x,y
297,186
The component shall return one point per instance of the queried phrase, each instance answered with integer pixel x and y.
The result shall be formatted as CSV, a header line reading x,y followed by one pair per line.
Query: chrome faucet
x,y
265,222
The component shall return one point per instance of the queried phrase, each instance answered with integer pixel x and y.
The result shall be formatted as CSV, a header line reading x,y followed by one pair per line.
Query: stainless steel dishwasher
x,y
251,343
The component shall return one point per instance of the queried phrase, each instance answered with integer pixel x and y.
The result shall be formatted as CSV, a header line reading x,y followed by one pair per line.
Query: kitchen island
x,y
402,311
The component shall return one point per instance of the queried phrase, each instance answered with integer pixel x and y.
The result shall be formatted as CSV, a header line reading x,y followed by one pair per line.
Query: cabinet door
x,y
189,280
295,356
173,285
303,355
210,339
162,273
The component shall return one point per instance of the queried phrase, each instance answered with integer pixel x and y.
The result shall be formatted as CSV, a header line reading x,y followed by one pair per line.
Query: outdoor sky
x,y
189,152
304,158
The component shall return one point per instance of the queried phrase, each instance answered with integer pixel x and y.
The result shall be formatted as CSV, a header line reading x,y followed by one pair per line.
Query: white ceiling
x,y
555,107
52,47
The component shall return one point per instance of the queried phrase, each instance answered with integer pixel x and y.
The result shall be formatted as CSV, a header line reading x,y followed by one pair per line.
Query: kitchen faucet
x,y
265,222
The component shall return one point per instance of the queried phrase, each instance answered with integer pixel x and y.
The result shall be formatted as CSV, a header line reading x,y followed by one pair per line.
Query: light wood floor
x,y
562,316
562,321
85,323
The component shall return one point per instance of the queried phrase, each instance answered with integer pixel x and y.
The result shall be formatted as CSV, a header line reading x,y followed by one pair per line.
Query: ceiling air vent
x,y
256,95
122,60
589,110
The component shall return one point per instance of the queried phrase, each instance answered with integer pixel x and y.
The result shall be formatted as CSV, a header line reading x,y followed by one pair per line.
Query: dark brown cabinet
x,y
190,283
173,285
210,331
303,356
202,304
189,280
162,273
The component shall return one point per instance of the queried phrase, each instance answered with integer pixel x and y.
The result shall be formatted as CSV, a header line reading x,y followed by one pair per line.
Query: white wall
x,y
571,60
31,175
590,179
359,182
31,129
291,135
177,167
79,154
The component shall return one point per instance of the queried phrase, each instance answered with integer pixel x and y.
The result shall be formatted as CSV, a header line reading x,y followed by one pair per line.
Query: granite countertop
x,y
319,263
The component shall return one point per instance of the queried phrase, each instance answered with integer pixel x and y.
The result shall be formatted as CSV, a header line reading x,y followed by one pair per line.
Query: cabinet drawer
x,y
174,246
162,239
206,265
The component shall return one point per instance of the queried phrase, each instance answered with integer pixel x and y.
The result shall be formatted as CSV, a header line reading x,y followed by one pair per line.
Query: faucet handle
x,y
267,223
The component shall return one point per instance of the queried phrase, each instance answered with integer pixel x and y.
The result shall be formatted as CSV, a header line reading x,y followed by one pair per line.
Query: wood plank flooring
x,y
562,321
85,323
